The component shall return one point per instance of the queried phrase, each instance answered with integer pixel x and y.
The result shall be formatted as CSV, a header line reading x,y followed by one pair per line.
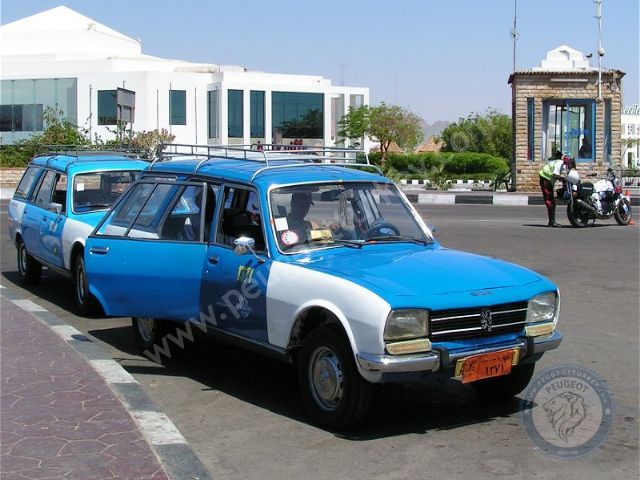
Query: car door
x,y
145,258
36,224
54,219
234,286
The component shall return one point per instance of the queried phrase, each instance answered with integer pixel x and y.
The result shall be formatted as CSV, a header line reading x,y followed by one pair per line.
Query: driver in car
x,y
300,204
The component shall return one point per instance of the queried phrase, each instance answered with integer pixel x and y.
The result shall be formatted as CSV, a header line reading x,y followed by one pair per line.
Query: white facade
x,y
63,44
631,136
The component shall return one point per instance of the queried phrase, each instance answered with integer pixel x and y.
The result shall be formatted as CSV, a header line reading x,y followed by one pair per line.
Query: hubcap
x,y
326,379
146,326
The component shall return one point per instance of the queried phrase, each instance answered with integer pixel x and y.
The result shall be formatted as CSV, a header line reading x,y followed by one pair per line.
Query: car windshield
x,y
342,214
100,190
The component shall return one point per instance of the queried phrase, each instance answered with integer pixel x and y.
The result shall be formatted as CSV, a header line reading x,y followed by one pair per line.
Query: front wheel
x,y
623,212
576,215
506,387
29,269
333,391
86,303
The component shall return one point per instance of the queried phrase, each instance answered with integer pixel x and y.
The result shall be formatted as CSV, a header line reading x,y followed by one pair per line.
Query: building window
x,y
235,114
24,103
178,107
568,129
257,114
356,101
530,128
107,107
212,113
298,115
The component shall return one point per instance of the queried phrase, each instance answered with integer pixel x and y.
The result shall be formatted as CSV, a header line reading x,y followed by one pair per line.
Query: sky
x,y
440,59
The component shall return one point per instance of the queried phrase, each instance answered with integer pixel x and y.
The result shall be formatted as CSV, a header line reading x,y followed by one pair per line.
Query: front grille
x,y
461,323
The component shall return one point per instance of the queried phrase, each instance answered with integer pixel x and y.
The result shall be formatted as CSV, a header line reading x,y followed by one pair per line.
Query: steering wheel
x,y
381,229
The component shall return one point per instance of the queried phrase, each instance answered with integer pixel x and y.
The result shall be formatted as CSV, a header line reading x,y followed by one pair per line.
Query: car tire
x,y
507,386
151,332
86,303
333,391
29,269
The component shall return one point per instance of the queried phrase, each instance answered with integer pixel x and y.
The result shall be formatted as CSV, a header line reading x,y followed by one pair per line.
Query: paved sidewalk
x,y
58,417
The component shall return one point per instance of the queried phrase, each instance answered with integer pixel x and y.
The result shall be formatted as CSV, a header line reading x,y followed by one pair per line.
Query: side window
x,y
152,207
28,179
241,217
43,197
60,191
126,212
187,218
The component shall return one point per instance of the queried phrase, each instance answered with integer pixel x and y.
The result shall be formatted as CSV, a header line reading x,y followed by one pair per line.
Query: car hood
x,y
430,276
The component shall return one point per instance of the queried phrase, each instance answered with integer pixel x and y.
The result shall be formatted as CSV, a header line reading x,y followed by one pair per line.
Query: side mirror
x,y
432,227
243,245
55,207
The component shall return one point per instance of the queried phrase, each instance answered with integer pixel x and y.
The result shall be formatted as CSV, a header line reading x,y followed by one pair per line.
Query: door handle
x,y
99,250
214,259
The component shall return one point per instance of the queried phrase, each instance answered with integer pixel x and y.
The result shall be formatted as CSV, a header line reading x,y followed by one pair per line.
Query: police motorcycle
x,y
596,201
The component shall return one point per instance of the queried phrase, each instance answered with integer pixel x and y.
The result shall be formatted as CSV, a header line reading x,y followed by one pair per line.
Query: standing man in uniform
x,y
552,171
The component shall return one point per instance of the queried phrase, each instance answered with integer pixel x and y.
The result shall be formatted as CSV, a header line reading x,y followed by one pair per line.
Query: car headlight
x,y
543,308
407,323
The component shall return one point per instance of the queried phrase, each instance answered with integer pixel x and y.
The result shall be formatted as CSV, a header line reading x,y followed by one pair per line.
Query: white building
x,y
60,57
631,136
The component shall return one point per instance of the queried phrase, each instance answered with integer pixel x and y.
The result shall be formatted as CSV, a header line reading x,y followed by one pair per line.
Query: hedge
x,y
467,164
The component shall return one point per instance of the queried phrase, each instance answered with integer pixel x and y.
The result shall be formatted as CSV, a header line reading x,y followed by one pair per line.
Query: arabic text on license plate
x,y
494,364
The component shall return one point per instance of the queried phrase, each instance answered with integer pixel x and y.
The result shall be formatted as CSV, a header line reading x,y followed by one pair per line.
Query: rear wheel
x,y
577,216
505,387
86,303
333,391
623,212
151,337
29,269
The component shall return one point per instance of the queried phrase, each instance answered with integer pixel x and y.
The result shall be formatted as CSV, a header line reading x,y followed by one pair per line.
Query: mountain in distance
x,y
435,128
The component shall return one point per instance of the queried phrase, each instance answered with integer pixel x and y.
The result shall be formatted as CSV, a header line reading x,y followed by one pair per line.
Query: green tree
x,y
148,141
387,123
355,124
483,133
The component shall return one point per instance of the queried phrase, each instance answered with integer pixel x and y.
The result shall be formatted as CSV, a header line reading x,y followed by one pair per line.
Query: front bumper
x,y
380,368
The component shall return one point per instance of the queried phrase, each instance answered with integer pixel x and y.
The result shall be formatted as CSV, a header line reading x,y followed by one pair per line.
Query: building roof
x,y
563,61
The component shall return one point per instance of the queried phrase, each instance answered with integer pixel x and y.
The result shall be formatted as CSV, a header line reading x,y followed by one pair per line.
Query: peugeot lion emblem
x,y
486,319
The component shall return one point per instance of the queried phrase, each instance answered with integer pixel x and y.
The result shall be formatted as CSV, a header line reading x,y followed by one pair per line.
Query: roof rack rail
x,y
267,153
86,150
80,151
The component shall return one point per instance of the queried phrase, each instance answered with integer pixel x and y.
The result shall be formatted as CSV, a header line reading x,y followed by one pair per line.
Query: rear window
x,y
28,179
100,190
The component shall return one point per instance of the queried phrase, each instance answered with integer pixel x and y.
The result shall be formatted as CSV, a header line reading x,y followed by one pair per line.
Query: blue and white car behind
x,y
327,267
58,202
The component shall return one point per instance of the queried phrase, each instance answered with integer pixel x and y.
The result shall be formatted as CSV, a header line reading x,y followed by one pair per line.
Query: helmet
x,y
573,176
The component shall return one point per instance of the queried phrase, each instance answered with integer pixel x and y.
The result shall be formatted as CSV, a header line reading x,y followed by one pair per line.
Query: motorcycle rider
x,y
552,171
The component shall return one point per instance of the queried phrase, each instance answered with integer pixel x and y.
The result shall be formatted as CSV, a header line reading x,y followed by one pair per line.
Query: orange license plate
x,y
487,365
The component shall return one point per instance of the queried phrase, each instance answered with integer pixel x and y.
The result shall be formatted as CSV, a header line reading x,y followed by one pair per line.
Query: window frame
x,y
172,108
34,181
220,211
167,207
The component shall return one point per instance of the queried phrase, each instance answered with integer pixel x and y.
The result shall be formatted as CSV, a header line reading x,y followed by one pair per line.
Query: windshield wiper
x,y
395,238
349,243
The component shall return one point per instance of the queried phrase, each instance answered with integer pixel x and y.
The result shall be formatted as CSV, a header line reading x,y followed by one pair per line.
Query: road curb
x,y
510,199
170,447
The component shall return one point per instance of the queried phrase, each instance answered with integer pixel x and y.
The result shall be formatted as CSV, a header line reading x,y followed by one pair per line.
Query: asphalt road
x,y
242,415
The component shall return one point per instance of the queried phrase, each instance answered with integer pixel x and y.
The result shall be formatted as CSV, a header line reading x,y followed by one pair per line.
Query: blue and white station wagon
x,y
305,256
58,202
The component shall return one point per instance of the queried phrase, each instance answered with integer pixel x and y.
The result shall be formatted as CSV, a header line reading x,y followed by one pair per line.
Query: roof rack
x,y
267,153
87,150
80,151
